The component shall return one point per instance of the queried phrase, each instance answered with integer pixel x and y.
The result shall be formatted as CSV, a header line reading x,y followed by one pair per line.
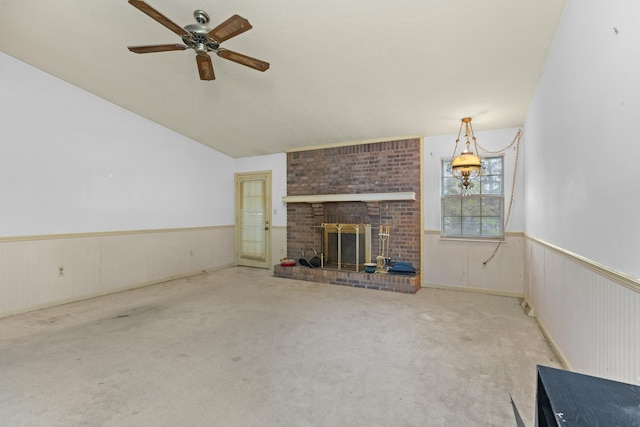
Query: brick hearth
x,y
378,281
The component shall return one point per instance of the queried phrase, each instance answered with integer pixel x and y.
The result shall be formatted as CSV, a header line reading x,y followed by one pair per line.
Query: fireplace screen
x,y
346,246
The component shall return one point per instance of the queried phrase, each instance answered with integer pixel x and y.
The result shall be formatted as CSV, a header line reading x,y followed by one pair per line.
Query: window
x,y
479,214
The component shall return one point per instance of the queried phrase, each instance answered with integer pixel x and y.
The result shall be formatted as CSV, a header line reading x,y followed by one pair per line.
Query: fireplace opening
x,y
346,246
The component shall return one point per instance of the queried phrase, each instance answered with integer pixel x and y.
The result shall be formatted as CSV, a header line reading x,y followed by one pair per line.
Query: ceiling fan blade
x,y
248,61
150,11
156,48
229,28
205,67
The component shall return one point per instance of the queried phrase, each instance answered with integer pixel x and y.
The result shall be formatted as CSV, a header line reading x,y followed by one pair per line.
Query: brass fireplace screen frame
x,y
357,257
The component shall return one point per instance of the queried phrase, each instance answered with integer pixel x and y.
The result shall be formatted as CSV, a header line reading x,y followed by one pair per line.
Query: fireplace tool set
x,y
383,260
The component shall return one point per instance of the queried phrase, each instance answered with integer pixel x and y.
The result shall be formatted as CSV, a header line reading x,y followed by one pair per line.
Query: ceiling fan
x,y
202,39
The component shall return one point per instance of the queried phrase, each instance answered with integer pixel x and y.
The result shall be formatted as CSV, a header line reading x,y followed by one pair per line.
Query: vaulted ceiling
x,y
340,70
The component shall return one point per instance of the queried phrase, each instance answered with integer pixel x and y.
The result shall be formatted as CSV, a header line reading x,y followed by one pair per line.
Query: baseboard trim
x,y
475,290
112,291
561,357
563,360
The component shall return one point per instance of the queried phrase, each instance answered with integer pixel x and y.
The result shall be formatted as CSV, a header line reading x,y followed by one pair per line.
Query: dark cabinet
x,y
570,399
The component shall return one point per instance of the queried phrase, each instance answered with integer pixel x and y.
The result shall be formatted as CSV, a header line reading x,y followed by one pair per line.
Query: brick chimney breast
x,y
376,167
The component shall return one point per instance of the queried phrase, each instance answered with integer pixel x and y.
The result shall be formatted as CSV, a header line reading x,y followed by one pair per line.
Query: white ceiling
x,y
340,70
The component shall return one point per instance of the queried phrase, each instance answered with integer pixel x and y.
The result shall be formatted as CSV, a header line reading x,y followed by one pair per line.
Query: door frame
x,y
238,178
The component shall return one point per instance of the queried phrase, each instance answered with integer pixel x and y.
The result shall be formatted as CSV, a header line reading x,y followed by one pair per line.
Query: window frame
x,y
478,201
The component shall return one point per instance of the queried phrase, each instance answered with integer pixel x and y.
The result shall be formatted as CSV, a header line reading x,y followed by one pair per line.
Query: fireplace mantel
x,y
364,197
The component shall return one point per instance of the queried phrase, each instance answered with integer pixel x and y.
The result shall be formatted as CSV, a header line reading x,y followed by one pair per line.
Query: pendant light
x,y
467,166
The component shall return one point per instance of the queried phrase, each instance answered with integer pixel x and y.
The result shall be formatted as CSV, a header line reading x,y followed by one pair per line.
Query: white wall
x,y
114,200
72,163
459,264
581,185
582,140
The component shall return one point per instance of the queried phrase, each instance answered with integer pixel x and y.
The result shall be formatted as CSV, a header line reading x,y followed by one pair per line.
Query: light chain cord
x,y
516,140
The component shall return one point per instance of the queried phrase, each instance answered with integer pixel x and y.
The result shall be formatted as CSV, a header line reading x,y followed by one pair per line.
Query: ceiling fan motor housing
x,y
199,39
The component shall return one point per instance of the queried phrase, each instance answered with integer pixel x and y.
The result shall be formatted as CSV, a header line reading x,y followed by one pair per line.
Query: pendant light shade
x,y
467,166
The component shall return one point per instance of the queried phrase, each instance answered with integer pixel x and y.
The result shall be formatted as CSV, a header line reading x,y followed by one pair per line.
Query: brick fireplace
x,y
376,184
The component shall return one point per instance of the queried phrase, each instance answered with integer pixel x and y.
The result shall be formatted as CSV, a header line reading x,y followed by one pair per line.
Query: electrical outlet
x,y
60,271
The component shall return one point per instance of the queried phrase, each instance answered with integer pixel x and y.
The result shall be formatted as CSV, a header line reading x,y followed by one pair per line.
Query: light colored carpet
x,y
239,347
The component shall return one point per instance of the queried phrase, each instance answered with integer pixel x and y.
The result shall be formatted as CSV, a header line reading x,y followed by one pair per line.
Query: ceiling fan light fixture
x,y
201,39
200,48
